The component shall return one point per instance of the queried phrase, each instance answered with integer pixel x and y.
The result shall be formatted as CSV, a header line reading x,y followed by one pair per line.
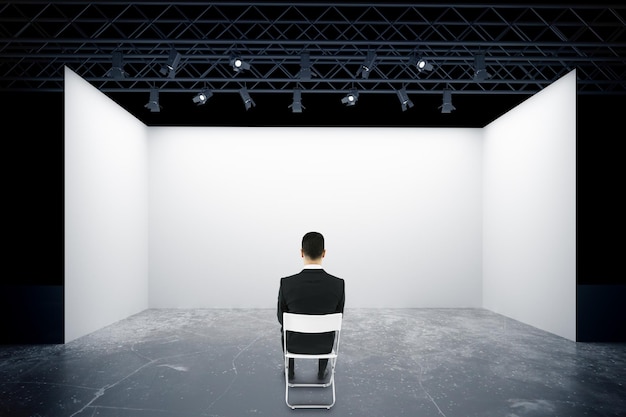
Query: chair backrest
x,y
312,323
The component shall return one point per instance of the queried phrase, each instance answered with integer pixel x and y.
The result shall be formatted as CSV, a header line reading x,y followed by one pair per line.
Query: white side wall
x,y
106,210
529,250
400,210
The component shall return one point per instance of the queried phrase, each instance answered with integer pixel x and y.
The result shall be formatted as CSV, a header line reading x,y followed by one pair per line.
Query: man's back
x,y
312,291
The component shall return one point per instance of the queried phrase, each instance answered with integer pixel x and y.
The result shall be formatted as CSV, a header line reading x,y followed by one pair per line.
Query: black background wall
x,y
601,282
31,293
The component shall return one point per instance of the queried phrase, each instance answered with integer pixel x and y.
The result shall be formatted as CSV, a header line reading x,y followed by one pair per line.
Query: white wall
x,y
106,210
400,210
529,250
412,217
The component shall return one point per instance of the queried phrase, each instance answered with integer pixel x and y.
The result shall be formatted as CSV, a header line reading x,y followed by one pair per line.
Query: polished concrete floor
x,y
228,363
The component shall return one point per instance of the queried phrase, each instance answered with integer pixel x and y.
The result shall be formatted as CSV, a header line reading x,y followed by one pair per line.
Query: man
x,y
312,291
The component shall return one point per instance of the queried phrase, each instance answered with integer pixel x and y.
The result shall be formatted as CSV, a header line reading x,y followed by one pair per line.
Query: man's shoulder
x,y
289,280
334,277
323,271
290,276
319,272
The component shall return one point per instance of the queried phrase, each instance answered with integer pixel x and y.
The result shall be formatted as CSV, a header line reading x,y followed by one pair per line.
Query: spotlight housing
x,y
153,104
423,65
305,67
296,106
351,98
405,101
480,70
173,60
202,97
446,106
368,65
238,64
117,68
247,100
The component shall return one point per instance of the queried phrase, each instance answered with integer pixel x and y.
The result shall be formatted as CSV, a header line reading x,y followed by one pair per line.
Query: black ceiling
x,y
526,47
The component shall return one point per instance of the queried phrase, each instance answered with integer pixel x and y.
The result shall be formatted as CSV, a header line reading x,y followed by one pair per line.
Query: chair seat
x,y
309,355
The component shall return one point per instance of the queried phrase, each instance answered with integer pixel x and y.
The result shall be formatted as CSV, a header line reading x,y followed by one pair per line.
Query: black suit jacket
x,y
312,291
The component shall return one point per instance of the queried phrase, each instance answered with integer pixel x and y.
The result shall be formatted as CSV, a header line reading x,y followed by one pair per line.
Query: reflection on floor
x,y
228,363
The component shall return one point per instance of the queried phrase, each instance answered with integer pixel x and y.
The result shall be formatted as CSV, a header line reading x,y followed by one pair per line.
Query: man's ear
x,y
323,253
302,253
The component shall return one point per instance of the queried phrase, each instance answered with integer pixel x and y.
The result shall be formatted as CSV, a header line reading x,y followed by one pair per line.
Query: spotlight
x,y
480,71
202,97
153,104
117,69
447,106
296,106
238,64
404,99
172,64
247,100
305,67
423,65
368,65
351,98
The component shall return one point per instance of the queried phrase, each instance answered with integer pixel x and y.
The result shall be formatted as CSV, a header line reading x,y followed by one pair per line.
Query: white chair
x,y
311,323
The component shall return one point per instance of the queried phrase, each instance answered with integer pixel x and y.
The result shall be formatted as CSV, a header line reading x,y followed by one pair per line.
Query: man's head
x,y
313,246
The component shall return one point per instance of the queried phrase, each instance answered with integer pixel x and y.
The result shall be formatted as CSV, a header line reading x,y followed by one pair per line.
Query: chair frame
x,y
311,323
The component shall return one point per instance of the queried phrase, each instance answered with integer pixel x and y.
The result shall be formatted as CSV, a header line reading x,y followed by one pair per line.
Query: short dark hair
x,y
313,245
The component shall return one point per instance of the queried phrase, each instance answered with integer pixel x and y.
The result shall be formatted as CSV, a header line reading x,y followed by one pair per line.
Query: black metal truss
x,y
525,47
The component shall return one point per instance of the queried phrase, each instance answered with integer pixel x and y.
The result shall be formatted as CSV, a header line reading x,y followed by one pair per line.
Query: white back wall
x,y
529,255
401,210
106,210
